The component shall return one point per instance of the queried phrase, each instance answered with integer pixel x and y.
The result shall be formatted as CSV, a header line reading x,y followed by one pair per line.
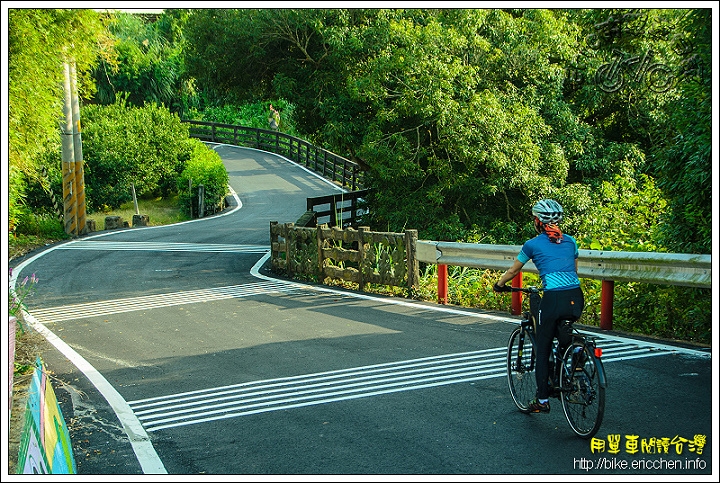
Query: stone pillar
x,y
141,220
113,222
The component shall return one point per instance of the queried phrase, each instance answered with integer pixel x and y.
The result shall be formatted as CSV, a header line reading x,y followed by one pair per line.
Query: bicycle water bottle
x,y
578,358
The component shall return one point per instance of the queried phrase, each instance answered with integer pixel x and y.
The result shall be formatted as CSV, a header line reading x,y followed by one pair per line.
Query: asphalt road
x,y
177,352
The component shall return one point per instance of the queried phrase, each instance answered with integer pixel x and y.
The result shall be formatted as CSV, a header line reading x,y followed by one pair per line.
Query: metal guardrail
x,y
681,269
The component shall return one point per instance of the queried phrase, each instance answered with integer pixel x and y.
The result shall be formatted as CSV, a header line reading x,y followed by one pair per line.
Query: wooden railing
x,y
394,258
340,209
342,171
359,256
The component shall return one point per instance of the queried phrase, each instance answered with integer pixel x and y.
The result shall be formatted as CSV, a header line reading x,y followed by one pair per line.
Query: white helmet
x,y
548,211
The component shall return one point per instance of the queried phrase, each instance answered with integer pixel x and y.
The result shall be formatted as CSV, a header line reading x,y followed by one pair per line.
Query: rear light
x,y
598,352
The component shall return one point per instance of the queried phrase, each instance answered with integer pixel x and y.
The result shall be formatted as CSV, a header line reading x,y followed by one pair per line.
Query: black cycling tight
x,y
556,306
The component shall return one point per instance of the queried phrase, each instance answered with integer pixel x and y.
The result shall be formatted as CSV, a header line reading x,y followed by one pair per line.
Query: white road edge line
x,y
255,271
145,452
139,439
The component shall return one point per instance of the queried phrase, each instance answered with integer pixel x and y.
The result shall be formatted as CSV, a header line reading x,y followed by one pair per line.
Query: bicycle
x,y
577,377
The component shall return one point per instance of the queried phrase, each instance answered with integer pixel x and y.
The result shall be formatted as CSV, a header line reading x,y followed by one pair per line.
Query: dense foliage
x,y
149,66
463,117
145,147
204,168
255,114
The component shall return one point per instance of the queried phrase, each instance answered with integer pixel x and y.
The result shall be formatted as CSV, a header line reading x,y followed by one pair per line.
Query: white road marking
x,y
148,302
299,391
162,247
284,393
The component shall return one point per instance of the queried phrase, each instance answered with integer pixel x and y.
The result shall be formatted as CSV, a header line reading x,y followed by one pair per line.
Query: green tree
x,y
252,55
40,41
683,154
457,110
658,121
465,117
124,146
149,66
224,54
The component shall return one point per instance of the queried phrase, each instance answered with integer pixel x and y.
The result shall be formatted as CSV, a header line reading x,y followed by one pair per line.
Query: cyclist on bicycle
x,y
555,256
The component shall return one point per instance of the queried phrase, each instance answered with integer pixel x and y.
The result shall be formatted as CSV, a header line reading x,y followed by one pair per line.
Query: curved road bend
x,y
178,355
124,270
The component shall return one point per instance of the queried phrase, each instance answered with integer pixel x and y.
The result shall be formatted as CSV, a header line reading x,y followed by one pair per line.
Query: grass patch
x,y
161,211
37,231
19,244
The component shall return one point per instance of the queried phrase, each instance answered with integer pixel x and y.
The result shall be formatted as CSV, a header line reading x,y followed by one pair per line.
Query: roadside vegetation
x,y
462,117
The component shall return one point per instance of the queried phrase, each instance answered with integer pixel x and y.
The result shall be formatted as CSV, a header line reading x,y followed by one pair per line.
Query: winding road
x,y
176,352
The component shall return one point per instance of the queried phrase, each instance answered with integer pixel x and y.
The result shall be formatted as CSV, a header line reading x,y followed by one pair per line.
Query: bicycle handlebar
x,y
529,289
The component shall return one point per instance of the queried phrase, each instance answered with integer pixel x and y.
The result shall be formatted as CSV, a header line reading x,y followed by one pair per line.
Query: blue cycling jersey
x,y
555,261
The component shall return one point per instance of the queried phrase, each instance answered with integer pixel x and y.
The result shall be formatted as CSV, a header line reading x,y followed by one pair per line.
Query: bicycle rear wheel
x,y
582,389
521,368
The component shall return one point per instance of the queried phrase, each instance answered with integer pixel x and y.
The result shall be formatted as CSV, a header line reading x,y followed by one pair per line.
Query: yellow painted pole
x,y
78,155
68,161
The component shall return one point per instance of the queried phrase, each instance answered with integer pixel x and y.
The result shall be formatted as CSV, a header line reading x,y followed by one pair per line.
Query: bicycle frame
x,y
576,376
528,330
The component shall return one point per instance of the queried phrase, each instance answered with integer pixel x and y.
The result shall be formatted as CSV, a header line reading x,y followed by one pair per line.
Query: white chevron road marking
x,y
147,302
321,388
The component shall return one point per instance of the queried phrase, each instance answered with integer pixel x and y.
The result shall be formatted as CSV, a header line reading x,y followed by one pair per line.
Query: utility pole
x,y
73,174
68,159
77,148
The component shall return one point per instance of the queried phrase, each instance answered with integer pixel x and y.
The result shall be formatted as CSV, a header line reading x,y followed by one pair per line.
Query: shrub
x,y
671,312
250,115
17,294
45,225
205,168
124,146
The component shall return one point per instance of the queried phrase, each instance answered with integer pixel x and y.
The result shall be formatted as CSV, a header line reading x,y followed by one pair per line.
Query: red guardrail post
x,y
516,297
442,284
607,292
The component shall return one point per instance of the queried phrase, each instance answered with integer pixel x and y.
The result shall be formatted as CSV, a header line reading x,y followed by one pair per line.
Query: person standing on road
x,y
274,119
555,256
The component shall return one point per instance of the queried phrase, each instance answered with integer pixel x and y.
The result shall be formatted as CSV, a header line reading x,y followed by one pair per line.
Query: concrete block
x,y
141,220
112,222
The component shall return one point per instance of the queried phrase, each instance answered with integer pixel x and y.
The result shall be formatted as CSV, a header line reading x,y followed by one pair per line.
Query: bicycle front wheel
x,y
521,369
582,389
